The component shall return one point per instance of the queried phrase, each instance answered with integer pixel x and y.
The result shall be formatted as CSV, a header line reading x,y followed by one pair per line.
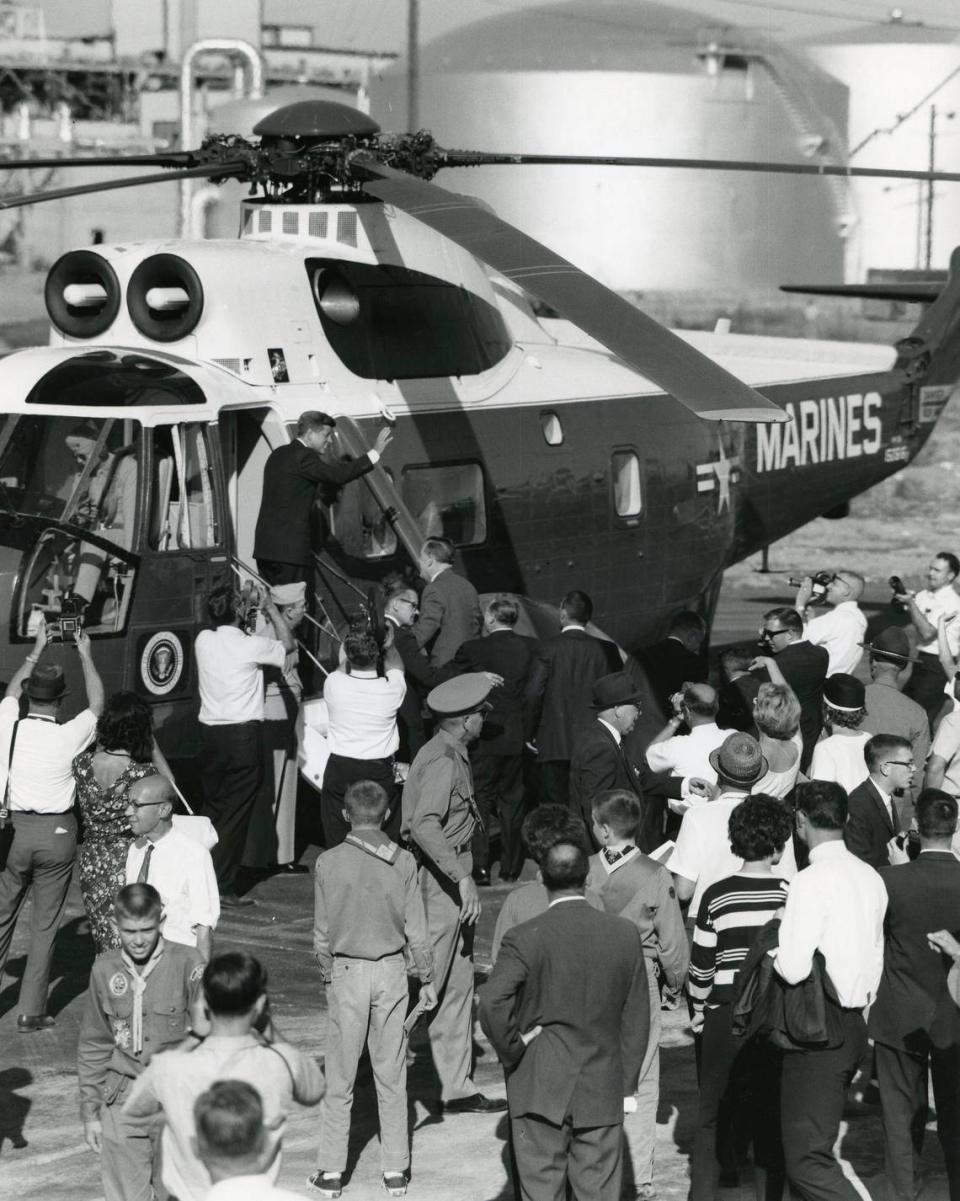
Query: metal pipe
x,y
234,46
201,202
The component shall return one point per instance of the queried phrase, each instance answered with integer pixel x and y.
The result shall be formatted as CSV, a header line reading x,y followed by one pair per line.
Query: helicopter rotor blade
x,y
695,380
175,158
469,158
220,170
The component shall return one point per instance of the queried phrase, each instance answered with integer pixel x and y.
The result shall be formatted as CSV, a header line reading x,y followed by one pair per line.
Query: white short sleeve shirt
x,y
362,709
41,779
841,631
228,671
702,852
688,754
933,606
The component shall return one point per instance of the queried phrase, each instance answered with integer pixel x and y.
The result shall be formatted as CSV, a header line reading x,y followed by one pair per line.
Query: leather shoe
x,y
481,876
478,1103
290,869
230,900
30,1024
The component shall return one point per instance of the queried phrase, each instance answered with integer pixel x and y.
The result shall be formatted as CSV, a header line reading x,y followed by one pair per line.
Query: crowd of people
x,y
758,848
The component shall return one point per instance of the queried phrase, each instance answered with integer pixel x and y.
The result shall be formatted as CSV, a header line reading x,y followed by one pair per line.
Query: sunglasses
x,y
771,633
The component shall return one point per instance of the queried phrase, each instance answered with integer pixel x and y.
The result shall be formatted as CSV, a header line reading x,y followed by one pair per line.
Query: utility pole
x,y
931,166
413,65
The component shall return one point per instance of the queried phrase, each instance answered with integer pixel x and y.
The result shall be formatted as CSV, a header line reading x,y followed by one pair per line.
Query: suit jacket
x,y
449,616
290,480
421,678
600,765
669,664
580,975
804,667
560,692
512,656
868,828
913,1007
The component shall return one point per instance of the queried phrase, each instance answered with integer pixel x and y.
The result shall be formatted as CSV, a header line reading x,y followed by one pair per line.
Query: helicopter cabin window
x,y
627,494
359,525
388,322
61,477
102,379
447,501
184,510
551,428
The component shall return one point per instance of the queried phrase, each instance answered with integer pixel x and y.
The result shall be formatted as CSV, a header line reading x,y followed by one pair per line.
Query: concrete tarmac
x,y
456,1158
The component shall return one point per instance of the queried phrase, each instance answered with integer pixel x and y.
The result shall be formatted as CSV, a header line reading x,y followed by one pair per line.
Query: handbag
x,y
6,825
195,826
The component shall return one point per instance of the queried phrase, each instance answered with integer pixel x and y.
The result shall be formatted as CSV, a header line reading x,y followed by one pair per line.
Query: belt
x,y
40,813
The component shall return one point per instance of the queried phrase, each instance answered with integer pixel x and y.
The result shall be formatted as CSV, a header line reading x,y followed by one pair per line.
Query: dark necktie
x,y
613,857
145,865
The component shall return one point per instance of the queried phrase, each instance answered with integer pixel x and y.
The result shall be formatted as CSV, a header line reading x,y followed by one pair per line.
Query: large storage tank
x,y
890,70
616,77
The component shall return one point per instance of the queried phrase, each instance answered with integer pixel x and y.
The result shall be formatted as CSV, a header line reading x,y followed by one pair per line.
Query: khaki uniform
x,y
368,906
439,819
119,1033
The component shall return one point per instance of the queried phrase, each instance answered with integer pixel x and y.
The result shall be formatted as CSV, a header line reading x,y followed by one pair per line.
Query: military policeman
x,y
139,1002
439,819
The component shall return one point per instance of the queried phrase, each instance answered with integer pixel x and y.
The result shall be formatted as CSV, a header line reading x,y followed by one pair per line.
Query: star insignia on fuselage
x,y
717,476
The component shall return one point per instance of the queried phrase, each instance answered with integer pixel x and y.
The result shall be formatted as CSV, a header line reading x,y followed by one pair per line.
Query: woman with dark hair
x,y
125,751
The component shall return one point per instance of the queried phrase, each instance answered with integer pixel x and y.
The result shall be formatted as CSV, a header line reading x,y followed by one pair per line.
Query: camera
x,y
70,620
820,581
898,587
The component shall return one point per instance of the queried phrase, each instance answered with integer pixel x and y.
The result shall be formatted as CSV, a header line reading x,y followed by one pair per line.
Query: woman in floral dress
x,y
124,752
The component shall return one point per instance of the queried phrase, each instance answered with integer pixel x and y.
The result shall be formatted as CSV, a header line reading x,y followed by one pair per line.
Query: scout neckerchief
x,y
387,851
138,978
612,859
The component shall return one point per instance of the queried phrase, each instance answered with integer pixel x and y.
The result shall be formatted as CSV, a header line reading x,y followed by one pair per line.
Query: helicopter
x,y
591,448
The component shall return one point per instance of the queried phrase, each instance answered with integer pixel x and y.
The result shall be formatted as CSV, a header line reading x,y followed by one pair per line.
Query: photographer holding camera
x,y
925,609
841,631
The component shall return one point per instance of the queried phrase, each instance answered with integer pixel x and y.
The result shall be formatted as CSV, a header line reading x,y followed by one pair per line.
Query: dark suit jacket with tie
x,y
449,616
869,828
600,765
913,1006
669,665
560,693
290,480
804,667
580,975
512,656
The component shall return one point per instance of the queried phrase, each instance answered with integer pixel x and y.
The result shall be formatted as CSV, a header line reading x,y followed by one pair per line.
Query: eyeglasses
x,y
900,763
771,633
402,600
143,804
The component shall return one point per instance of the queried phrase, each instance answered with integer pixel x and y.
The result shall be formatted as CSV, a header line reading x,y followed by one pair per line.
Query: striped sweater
x,y
731,913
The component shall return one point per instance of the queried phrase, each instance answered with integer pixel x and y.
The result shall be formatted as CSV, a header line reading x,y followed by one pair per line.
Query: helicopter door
x,y
184,553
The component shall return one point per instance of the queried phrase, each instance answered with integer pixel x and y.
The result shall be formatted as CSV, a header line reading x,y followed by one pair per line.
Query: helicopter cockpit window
x,y
102,379
359,524
447,501
388,322
80,472
183,504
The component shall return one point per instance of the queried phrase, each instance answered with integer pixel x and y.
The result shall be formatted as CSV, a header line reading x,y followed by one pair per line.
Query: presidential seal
x,y
161,663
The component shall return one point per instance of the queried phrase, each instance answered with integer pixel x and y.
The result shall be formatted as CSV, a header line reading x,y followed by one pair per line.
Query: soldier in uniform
x,y
439,819
139,1002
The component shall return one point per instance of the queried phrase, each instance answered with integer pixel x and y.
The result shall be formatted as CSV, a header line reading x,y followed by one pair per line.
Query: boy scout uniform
x,y
129,1016
439,818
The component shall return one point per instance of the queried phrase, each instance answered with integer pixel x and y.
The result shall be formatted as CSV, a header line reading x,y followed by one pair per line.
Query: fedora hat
x,y
45,683
615,689
739,760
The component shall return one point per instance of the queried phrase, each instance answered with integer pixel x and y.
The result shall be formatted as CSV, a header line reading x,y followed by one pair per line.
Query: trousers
x,y
367,1003
231,770
451,1024
548,1156
41,854
342,771
813,1087
644,1122
498,784
129,1157
555,782
902,1078
747,1074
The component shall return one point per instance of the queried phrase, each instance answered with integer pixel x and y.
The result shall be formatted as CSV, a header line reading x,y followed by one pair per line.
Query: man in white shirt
x,y
925,609
177,866
231,719
362,729
841,630
835,906
689,754
702,854
37,755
